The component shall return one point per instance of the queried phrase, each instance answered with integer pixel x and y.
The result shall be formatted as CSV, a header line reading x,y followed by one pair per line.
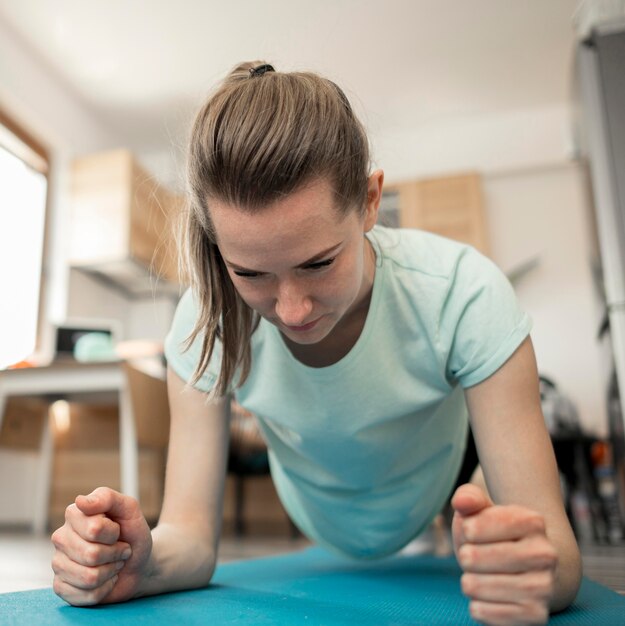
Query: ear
x,y
375,182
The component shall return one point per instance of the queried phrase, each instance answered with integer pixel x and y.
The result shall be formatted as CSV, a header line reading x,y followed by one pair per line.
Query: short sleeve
x,y
481,323
184,362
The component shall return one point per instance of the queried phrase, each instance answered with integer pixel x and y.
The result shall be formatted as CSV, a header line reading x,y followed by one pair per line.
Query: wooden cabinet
x,y
122,223
451,206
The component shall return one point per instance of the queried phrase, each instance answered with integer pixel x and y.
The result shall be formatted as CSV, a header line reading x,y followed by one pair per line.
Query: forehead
x,y
291,229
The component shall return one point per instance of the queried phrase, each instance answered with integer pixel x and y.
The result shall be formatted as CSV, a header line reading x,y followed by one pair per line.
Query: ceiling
x,y
143,66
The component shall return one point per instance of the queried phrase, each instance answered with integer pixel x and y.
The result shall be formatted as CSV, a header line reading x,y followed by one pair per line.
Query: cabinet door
x,y
153,214
123,222
100,196
451,206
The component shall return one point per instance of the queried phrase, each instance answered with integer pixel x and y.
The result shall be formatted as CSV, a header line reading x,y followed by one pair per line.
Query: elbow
x,y
568,580
206,571
202,567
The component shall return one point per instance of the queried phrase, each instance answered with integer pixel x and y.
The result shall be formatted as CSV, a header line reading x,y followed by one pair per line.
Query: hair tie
x,y
260,70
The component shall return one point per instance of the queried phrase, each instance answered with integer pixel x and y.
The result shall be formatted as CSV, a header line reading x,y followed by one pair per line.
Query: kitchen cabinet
x,y
452,206
122,224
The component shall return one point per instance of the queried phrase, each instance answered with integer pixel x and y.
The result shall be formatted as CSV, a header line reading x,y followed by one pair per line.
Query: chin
x,y
303,338
309,337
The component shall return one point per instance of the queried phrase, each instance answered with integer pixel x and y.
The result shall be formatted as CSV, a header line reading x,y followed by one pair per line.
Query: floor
x,y
606,565
25,559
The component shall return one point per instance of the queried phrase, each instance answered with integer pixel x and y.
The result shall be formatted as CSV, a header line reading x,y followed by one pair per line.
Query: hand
x,y
102,550
508,561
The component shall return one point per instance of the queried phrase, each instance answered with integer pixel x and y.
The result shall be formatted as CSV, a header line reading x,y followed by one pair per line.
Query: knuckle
x,y
478,611
91,597
93,529
133,502
551,557
543,552
537,522
538,584
69,510
469,585
534,612
91,554
56,565
57,585
466,555
539,614
91,578
472,527
548,586
57,537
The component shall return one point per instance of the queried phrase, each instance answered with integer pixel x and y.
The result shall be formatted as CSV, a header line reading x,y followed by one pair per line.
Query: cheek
x,y
343,285
253,294
351,275
254,297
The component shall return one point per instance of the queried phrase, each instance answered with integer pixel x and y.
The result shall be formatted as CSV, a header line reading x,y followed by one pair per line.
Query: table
x,y
64,378
308,587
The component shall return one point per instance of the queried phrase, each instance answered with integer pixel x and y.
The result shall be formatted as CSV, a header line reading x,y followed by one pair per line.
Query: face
x,y
297,262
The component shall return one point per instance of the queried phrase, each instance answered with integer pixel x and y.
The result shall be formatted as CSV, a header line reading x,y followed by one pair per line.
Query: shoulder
x,y
418,252
183,356
185,317
182,324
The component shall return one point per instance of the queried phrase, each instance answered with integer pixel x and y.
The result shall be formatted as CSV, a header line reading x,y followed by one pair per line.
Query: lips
x,y
304,327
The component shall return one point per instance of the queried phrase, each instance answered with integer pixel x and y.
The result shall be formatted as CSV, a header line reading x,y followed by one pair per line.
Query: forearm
x,y
180,559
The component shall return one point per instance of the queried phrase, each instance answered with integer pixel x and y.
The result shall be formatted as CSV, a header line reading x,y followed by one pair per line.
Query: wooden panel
x,y
451,206
153,216
150,407
81,471
91,426
23,423
263,514
100,198
119,212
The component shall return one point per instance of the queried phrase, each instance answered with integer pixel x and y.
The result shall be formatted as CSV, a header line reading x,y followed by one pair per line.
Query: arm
x,y
185,541
526,533
105,552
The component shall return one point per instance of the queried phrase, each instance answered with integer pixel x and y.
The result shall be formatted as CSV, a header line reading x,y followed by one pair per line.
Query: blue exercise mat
x,y
309,587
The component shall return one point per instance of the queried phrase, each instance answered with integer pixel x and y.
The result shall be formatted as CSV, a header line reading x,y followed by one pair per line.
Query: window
x,y
23,191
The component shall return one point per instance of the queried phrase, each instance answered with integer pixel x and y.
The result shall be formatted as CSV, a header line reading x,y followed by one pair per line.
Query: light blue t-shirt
x,y
364,453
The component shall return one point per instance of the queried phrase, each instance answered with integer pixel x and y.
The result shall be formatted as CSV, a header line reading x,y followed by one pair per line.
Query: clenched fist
x,y
508,561
102,549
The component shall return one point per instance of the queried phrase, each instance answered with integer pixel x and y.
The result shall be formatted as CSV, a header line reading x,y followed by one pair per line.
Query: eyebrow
x,y
314,259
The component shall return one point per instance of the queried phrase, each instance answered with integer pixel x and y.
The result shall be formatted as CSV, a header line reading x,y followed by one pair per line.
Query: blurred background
x,y
496,122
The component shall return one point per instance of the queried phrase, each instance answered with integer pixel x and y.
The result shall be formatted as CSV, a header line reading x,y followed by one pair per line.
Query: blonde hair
x,y
261,135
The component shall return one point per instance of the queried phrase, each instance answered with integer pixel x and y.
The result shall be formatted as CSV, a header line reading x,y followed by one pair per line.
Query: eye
x,y
320,265
247,274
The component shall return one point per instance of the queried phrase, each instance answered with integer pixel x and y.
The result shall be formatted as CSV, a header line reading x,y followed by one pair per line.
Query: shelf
x,y
131,278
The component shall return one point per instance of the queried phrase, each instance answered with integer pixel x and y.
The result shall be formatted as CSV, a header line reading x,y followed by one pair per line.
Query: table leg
x,y
3,401
42,490
129,454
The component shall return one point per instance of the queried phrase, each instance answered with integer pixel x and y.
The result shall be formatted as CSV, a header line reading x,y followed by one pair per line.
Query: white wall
x,y
486,143
18,474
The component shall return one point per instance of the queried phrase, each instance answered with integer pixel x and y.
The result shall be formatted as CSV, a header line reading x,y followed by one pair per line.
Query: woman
x,y
359,348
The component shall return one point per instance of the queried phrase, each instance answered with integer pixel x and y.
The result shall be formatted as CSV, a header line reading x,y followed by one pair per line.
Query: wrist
x,y
178,561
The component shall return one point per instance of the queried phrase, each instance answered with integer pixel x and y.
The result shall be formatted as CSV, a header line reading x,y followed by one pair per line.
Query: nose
x,y
293,305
